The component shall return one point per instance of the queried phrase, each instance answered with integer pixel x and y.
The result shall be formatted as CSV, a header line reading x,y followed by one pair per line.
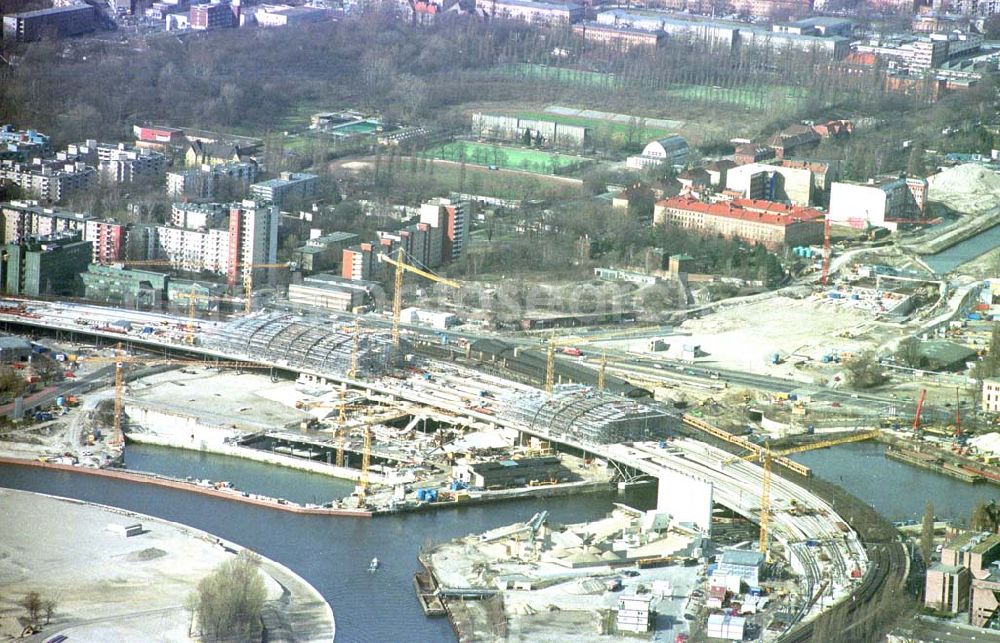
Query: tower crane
x,y
826,251
248,280
121,358
920,408
572,342
397,294
117,436
766,456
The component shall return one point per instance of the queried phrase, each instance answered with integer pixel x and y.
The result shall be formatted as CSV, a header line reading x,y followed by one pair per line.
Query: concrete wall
x,y
686,499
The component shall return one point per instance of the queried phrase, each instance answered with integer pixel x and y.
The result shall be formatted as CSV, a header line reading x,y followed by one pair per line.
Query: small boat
x,y
373,566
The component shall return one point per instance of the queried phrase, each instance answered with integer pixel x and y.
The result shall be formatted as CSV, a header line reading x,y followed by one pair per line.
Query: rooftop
x,y
767,212
50,11
740,557
548,6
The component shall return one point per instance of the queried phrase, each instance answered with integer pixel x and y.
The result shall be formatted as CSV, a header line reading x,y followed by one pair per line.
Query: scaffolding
x,y
586,414
307,343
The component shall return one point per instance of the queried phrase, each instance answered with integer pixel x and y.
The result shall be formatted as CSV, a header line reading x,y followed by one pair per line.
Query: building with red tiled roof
x,y
751,153
793,138
774,225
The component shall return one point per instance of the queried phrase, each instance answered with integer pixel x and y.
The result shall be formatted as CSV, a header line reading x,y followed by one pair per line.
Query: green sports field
x,y
514,158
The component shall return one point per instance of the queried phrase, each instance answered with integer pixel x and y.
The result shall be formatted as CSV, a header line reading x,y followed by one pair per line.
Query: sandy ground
x,y
111,588
744,337
248,400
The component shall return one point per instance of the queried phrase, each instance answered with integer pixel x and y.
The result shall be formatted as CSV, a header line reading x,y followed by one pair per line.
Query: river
x,y
332,553
965,251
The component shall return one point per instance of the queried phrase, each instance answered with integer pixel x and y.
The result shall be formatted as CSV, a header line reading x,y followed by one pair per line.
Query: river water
x,y
332,552
953,257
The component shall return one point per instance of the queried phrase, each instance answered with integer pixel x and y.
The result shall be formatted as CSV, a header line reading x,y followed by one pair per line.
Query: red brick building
x,y
212,16
774,225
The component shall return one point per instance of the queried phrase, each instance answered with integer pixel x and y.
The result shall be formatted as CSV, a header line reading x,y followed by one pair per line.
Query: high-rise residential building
x,y
227,239
453,218
26,219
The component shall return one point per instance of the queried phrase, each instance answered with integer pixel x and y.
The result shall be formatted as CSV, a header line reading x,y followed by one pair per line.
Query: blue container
x,y
855,297
793,397
432,495
834,295
61,401
975,316
421,494
663,444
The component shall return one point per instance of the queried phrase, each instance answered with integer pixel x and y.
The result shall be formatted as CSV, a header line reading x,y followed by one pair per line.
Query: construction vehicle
x,y
397,294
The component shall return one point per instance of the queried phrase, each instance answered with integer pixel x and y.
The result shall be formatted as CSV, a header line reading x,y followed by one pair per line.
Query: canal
x,y
953,257
332,553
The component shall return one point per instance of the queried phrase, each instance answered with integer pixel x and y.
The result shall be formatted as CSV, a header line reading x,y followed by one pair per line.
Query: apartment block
x,y
774,225
213,16
119,163
621,37
226,239
50,180
23,145
211,181
289,185
538,13
453,218
324,252
771,183
70,20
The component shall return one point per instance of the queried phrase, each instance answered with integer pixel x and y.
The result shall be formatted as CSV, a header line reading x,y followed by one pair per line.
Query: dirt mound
x,y
150,553
966,188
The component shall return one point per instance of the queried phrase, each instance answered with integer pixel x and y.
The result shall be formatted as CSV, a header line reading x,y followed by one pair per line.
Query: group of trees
x,y
230,600
865,371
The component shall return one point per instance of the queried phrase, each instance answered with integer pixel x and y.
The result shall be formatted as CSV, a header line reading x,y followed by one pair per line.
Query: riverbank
x,y
935,241
223,492
108,586
247,453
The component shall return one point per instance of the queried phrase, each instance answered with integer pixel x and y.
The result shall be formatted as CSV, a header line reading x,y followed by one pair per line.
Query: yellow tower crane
x,y
397,294
117,436
575,341
248,281
766,456
121,358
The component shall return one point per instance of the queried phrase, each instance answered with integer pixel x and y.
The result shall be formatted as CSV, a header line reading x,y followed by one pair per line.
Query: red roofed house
x,y
793,138
774,225
424,13
751,153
